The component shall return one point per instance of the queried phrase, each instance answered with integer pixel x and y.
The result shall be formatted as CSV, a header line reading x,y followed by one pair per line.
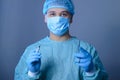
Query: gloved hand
x,y
84,60
34,61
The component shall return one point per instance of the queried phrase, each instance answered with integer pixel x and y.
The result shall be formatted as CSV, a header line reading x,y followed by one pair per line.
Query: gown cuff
x,y
31,74
90,73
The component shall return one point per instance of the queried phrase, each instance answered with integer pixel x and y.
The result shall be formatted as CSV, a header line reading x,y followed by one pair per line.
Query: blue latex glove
x,y
84,60
34,61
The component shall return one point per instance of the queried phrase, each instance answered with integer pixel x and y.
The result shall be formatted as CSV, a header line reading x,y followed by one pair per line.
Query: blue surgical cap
x,y
66,4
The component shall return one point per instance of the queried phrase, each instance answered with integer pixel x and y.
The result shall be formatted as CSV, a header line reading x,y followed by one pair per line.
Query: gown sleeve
x,y
21,71
99,73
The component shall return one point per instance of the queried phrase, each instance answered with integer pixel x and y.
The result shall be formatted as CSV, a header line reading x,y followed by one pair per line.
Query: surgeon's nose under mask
x,y
58,25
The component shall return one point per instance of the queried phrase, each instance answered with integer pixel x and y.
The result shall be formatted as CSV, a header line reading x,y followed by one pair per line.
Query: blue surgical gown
x,y
57,61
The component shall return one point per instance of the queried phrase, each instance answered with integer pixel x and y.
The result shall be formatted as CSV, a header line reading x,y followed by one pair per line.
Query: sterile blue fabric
x,y
57,61
58,25
66,4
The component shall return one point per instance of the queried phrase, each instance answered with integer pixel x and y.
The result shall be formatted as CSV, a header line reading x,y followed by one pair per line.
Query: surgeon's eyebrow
x,y
65,12
54,11
51,12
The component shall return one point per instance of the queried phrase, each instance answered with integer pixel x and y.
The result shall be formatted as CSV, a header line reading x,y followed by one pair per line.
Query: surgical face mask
x,y
58,25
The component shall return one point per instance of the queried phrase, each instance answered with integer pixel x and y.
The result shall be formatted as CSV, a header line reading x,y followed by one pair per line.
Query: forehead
x,y
57,10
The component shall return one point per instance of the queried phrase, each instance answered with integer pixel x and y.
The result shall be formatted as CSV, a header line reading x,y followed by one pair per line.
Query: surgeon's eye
x,y
51,14
65,14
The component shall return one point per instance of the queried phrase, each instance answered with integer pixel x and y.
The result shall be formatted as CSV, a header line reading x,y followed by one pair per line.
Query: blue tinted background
x,y
95,21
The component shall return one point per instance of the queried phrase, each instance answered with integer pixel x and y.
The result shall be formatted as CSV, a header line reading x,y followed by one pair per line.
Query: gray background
x,y
95,21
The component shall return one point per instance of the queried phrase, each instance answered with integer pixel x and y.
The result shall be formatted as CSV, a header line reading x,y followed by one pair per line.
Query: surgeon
x,y
60,56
